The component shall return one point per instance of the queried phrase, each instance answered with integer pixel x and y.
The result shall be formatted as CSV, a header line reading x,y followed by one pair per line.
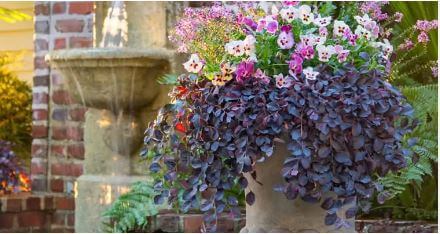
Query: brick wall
x,y
57,147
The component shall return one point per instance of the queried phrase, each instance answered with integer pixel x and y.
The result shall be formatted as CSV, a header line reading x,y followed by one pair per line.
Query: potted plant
x,y
288,101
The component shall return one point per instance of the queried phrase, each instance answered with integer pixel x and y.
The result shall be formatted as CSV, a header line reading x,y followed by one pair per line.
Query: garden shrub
x,y
16,111
12,176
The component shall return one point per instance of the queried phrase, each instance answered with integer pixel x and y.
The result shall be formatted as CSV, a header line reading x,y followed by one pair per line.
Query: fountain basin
x,y
113,78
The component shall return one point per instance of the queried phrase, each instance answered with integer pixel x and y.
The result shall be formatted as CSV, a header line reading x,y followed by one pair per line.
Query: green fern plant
x,y
414,189
131,211
424,101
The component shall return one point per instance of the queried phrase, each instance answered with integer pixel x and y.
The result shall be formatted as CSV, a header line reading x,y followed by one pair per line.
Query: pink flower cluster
x,y
193,18
374,9
424,26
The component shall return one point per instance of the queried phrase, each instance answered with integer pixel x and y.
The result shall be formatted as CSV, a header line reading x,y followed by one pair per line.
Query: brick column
x,y
57,147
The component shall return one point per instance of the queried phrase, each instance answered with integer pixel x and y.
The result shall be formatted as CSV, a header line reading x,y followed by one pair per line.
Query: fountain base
x,y
96,194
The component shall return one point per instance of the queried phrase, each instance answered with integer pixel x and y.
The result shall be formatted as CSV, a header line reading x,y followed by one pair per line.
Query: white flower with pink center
x,y
194,64
362,20
362,32
339,28
310,74
289,14
325,52
235,48
322,21
305,14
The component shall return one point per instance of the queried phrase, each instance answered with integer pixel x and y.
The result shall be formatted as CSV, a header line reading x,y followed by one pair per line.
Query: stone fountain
x,y
117,82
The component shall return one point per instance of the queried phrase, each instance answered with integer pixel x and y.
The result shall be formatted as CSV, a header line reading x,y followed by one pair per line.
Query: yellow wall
x,y
18,39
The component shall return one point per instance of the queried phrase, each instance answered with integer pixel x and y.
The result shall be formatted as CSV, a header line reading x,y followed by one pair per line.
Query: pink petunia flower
x,y
285,39
295,64
306,52
323,32
282,81
341,53
244,70
260,75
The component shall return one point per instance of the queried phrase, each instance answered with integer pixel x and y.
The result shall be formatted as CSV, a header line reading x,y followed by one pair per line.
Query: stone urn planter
x,y
273,212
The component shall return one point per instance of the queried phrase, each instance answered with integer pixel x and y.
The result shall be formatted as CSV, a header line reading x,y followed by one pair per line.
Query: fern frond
x,y
131,210
168,79
424,101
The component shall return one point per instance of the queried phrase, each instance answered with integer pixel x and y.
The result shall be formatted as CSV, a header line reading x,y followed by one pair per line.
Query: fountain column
x,y
117,82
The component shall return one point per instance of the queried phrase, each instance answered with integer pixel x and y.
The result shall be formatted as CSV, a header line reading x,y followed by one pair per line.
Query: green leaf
x,y
168,79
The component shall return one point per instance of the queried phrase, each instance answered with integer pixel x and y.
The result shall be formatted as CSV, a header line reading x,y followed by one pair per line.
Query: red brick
x,y
59,43
39,131
83,8
167,223
49,203
41,81
67,169
38,169
31,219
78,114
40,114
41,44
192,223
57,150
69,25
59,218
33,203
6,220
41,9
39,150
41,27
59,8
57,185
76,151
13,205
80,42
65,203
61,97
62,230
59,114
71,220
225,224
40,63
75,133
59,133
40,98
56,79
39,184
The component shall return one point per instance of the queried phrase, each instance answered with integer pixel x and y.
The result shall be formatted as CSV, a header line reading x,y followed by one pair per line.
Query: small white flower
x,y
325,52
387,48
362,32
289,14
320,40
249,45
305,14
339,28
308,39
282,81
194,64
322,21
362,20
310,73
235,48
